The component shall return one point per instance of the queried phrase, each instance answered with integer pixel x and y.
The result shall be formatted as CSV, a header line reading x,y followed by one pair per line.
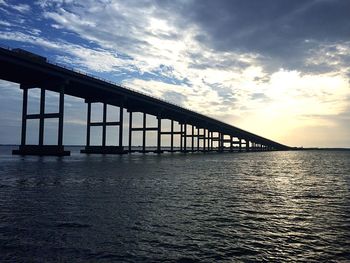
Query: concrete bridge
x,y
198,133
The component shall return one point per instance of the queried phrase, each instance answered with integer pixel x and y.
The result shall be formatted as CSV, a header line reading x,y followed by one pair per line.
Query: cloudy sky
x,y
278,68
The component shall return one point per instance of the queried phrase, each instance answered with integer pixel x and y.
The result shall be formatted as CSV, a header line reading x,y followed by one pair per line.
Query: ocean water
x,y
238,207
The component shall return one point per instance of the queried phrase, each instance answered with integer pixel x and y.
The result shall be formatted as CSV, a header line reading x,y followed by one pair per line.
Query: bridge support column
x,y
41,119
218,139
41,149
121,126
103,149
130,131
192,139
24,117
181,137
198,134
159,134
204,139
144,120
240,145
172,136
247,148
221,142
208,141
185,137
88,124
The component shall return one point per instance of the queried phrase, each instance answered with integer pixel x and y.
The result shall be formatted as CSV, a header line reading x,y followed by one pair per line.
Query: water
x,y
268,206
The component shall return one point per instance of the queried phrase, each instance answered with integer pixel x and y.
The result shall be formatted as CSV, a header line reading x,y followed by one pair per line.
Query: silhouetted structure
x,y
33,71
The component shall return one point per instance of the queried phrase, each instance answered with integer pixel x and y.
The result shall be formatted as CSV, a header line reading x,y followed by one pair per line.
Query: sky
x,y
277,68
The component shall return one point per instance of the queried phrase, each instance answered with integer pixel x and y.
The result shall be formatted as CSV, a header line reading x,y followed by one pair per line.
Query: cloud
x,y
4,23
97,60
22,8
282,31
255,64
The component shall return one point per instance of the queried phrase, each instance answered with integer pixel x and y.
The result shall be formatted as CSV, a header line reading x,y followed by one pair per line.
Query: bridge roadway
x,y
207,134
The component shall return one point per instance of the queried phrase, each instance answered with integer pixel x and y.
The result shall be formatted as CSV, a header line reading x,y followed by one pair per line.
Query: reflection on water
x,y
275,206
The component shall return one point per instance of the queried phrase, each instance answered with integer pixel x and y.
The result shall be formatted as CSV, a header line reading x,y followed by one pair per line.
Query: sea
x,y
288,206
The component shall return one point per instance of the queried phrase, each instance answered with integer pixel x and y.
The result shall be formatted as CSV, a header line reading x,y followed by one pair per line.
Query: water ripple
x,y
270,207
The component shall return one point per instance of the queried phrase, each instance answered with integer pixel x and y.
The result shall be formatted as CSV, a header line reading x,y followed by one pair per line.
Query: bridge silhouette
x,y
198,133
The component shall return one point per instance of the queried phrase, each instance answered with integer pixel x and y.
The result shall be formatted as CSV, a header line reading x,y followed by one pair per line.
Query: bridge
x,y
198,133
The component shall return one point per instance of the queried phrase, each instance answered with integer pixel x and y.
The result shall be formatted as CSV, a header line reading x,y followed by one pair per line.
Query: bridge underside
x,y
198,133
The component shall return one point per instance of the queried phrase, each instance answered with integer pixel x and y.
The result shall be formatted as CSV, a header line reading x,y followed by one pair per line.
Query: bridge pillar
x,y
212,141
172,136
159,134
198,134
184,137
130,131
41,149
247,148
181,137
208,141
217,139
204,139
240,145
103,149
144,121
41,118
192,138
121,126
88,124
221,142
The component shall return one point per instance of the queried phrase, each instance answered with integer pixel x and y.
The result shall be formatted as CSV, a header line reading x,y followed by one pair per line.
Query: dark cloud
x,y
282,31
200,61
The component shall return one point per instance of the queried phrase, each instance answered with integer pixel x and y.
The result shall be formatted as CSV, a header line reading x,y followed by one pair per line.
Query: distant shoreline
x,y
319,149
292,148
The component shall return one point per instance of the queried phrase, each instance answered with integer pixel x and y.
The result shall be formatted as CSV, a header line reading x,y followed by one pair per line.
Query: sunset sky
x,y
278,68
